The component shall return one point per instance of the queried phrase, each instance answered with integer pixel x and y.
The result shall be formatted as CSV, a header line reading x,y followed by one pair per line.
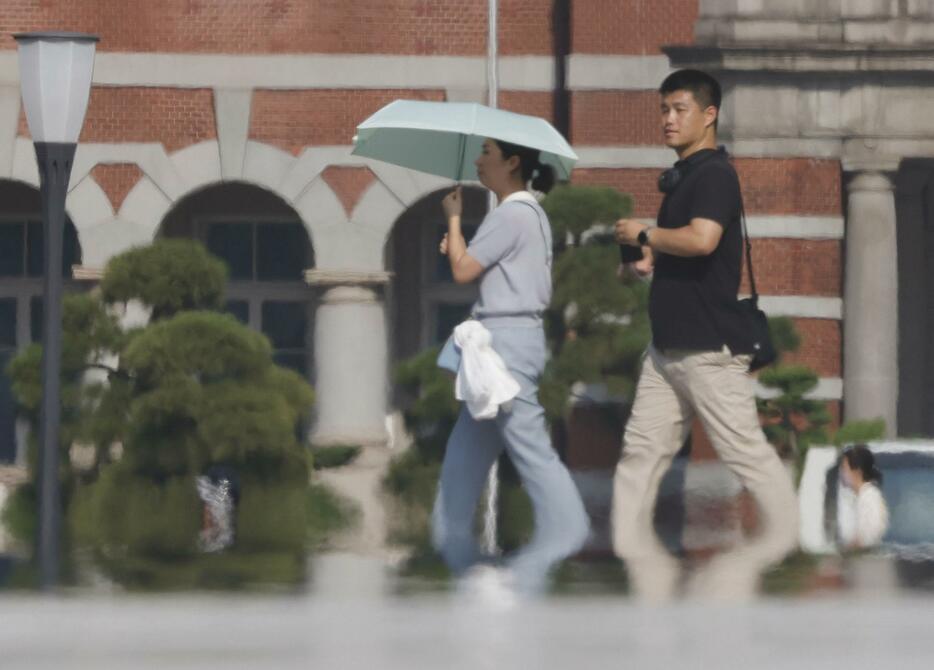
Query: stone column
x,y
870,326
351,358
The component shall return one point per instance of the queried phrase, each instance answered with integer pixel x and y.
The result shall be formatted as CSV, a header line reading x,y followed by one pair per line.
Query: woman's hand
x,y
453,204
443,247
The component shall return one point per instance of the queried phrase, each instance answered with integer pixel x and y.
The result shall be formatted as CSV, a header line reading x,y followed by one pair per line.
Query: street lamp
x,y
55,80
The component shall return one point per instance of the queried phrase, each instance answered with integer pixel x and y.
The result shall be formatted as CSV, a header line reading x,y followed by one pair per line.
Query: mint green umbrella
x,y
444,138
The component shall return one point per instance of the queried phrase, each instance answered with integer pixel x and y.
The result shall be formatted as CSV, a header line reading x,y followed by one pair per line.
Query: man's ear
x,y
711,114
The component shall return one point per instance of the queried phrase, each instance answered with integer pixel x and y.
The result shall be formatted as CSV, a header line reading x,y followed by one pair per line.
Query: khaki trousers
x,y
674,387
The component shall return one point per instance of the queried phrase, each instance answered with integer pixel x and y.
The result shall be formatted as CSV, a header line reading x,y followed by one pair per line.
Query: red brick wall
x,y
116,180
641,183
348,184
524,27
440,27
173,116
631,26
537,103
292,120
615,117
790,185
821,346
797,267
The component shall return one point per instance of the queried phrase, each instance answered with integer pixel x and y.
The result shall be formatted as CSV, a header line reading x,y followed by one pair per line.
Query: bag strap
x,y
748,245
549,252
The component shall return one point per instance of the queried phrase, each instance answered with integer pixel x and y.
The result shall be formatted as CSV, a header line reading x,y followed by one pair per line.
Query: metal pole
x,y
492,86
55,161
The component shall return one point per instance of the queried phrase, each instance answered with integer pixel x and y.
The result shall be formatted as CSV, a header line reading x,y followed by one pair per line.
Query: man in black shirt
x,y
698,362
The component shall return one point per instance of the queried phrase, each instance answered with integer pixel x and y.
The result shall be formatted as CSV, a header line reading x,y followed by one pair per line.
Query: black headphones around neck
x,y
671,178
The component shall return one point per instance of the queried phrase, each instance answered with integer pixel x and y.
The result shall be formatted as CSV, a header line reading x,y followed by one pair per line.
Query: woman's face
x,y
493,170
847,474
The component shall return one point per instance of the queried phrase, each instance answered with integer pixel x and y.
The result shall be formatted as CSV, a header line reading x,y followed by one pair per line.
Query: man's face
x,y
684,122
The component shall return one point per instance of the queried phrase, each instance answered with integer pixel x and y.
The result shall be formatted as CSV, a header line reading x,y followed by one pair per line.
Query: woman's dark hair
x,y
858,457
540,174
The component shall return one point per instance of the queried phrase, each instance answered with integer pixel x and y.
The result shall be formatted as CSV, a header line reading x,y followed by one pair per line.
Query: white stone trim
x,y
806,307
785,147
9,124
306,71
648,156
785,227
828,388
150,157
596,72
232,117
796,227
267,166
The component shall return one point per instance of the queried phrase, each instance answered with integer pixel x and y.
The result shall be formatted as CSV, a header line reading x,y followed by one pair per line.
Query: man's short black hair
x,y
704,88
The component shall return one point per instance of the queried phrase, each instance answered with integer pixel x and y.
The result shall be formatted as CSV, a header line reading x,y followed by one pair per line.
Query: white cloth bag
x,y
483,382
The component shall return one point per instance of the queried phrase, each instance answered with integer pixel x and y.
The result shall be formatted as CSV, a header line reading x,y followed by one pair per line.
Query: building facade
x,y
231,121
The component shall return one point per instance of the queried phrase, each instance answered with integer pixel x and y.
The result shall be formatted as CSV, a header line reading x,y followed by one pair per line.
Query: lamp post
x,y
55,80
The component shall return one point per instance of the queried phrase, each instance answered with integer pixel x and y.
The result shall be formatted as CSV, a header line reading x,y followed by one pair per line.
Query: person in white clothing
x,y
863,517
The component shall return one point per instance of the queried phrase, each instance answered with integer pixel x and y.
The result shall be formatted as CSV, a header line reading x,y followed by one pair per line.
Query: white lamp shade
x,y
55,78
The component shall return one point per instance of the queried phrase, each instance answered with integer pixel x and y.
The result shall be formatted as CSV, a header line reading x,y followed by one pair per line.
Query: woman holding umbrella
x,y
510,256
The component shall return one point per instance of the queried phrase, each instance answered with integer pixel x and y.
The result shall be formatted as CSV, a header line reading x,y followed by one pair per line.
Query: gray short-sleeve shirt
x,y
513,245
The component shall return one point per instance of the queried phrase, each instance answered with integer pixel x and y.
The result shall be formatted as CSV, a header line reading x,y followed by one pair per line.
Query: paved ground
x,y
306,632
352,619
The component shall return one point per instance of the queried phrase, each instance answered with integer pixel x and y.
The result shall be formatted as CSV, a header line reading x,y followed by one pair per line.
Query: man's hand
x,y
627,231
646,265
642,268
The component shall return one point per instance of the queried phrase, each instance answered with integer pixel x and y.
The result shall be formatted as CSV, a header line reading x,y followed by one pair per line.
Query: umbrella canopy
x,y
444,138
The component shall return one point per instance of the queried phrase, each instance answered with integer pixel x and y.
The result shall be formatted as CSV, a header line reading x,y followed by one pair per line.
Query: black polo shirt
x,y
693,301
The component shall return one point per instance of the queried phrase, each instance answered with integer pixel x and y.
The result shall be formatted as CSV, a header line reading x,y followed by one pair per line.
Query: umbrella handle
x,y
460,162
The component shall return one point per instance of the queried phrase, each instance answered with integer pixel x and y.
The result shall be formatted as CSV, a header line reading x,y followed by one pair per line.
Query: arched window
x,y
22,265
266,249
425,302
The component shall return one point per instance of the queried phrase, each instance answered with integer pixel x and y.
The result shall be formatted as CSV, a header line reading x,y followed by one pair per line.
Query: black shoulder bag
x,y
758,323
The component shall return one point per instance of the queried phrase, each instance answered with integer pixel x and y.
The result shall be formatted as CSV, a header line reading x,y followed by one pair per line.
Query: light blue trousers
x,y
561,523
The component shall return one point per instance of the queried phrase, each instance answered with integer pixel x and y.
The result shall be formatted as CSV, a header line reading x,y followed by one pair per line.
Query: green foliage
x,y
576,209
431,410
121,513
327,513
18,516
784,336
792,422
335,456
598,325
858,432
193,388
170,275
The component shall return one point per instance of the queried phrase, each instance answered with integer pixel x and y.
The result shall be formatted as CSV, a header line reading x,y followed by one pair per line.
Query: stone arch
x,y
267,249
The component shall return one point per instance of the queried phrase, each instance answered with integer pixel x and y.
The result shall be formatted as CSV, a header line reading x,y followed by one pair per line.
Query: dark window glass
x,y
296,361
36,318
7,411
284,324
448,317
240,309
281,251
7,323
233,244
35,249
11,249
